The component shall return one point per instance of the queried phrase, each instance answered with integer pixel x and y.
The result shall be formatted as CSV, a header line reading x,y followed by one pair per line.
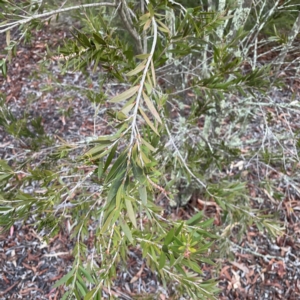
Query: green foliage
x,y
30,132
179,124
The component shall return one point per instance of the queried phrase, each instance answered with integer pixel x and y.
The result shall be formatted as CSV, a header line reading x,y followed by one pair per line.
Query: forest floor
x,y
260,268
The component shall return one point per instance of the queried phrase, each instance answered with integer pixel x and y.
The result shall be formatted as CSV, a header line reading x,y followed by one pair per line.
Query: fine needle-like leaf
x,y
152,108
130,211
148,121
125,95
138,69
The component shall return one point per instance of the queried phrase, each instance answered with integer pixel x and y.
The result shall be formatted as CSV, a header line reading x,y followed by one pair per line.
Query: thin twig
x,y
11,25
142,82
183,160
125,16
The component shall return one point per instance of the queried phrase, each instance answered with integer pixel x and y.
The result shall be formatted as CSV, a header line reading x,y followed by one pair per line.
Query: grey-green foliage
x,y
180,66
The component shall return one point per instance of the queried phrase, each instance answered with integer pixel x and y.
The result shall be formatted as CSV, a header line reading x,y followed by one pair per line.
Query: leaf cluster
x,y
178,126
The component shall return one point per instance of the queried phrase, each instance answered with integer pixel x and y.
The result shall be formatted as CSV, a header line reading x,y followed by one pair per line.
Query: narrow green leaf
x,y
143,194
5,176
99,39
107,138
145,159
207,260
205,233
3,67
152,108
119,195
163,27
90,294
64,279
118,165
5,210
172,260
148,121
66,295
179,269
81,288
204,248
113,215
150,147
137,70
221,203
116,184
97,149
126,229
194,266
86,275
162,261
149,87
82,38
195,219
138,172
110,157
142,56
100,155
130,211
100,169
207,223
179,229
145,17
98,296
77,294
4,166
169,237
126,109
151,10
125,95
